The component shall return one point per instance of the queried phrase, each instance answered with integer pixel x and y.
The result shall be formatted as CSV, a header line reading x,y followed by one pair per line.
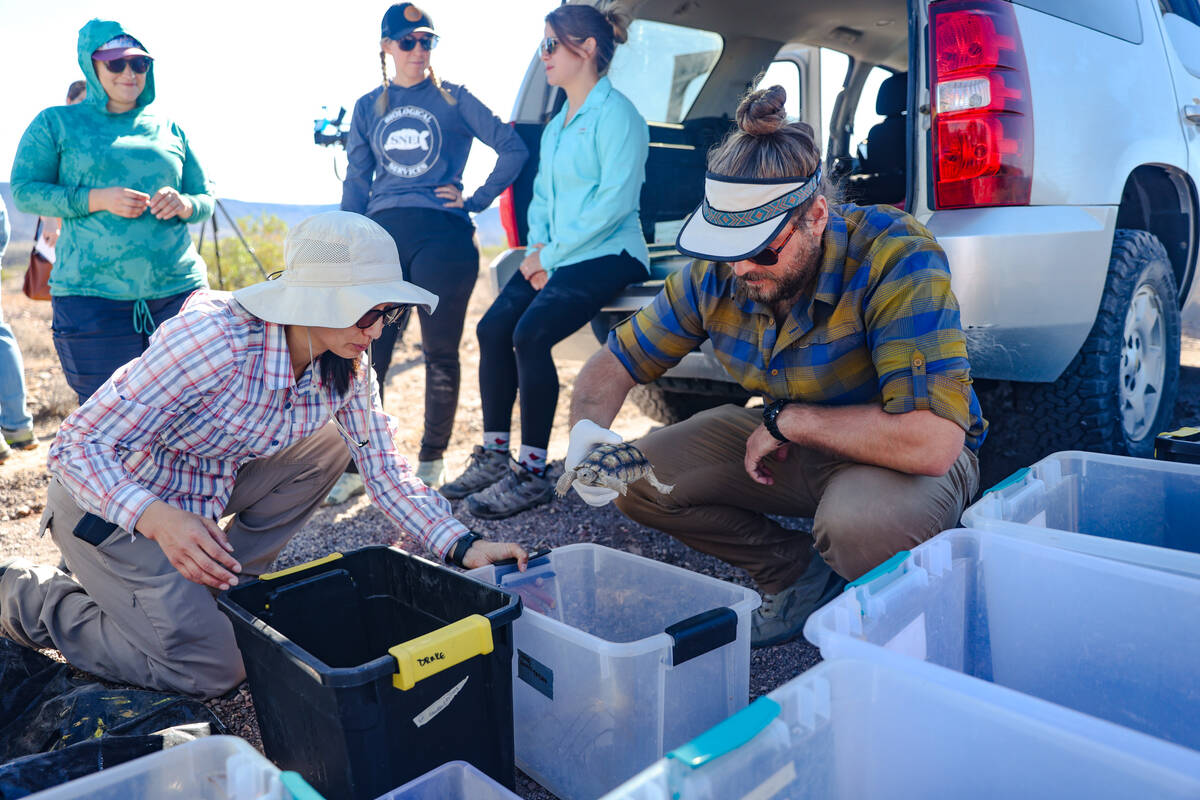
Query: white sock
x,y
495,440
533,459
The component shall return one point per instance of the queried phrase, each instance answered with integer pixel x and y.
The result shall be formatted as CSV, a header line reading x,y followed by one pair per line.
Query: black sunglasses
x,y
769,256
549,45
409,42
390,314
140,64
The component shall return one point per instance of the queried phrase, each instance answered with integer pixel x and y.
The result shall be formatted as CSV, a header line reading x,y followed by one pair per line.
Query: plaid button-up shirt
x,y
215,390
881,326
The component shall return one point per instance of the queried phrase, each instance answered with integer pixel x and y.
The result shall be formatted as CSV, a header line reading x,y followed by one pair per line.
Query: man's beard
x,y
780,287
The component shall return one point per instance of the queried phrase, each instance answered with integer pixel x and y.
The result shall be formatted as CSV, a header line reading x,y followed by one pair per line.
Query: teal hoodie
x,y
69,150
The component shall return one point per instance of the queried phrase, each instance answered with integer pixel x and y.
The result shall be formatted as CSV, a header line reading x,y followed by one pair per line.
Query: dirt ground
x,y
23,480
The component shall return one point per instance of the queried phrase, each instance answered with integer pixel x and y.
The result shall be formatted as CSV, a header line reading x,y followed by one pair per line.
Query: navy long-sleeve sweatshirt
x,y
422,142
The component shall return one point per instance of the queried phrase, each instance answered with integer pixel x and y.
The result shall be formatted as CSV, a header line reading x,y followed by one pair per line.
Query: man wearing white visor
x,y
242,407
842,318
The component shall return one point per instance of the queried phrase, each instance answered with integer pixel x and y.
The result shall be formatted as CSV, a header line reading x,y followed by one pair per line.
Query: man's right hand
x,y
194,545
118,200
585,436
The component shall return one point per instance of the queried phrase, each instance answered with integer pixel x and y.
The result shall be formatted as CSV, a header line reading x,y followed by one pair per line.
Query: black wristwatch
x,y
458,550
770,414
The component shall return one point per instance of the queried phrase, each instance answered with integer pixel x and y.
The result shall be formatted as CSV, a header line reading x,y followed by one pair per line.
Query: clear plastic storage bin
x,y
1114,498
457,780
1114,640
213,768
846,730
622,659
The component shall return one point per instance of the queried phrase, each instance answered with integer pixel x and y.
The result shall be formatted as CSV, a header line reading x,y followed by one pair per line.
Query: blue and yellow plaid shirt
x,y
882,326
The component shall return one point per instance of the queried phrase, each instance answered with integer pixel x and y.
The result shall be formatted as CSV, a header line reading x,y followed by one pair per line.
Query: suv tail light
x,y
508,217
982,110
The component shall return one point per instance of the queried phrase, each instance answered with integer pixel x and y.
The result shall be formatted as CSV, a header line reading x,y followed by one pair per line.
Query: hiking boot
x,y
486,467
432,473
22,439
519,490
781,616
347,486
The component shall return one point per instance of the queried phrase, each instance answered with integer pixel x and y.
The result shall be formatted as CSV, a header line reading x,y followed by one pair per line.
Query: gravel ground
x,y
356,524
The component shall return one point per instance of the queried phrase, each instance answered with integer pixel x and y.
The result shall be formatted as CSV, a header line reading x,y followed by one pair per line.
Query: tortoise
x,y
614,466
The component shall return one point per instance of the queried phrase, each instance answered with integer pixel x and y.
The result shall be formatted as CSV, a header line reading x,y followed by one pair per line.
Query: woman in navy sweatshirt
x,y
409,141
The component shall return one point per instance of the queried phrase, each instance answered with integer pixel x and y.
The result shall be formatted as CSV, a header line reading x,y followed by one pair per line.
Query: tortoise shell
x,y
622,460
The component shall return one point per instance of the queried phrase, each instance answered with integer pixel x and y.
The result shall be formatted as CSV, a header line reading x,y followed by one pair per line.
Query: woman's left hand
x,y
531,267
168,203
450,193
482,552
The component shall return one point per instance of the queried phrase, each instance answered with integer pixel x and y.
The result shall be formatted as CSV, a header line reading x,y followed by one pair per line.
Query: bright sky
x,y
246,79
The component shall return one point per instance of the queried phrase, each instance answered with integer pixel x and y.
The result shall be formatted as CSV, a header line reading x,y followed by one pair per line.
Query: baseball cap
x,y
121,46
403,19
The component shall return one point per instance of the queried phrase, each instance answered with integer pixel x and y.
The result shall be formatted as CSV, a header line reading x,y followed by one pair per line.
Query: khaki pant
x,y
862,515
125,614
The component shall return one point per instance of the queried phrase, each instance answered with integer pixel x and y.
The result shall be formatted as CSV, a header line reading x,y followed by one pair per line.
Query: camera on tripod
x,y
329,132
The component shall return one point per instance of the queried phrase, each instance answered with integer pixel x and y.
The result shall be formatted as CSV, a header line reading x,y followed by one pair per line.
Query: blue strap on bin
x,y
891,565
297,788
1016,477
729,735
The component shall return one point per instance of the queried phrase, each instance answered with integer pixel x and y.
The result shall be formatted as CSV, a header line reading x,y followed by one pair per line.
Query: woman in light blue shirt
x,y
586,244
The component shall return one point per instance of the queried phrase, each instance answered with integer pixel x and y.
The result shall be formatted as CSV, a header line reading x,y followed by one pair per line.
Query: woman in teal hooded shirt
x,y
125,183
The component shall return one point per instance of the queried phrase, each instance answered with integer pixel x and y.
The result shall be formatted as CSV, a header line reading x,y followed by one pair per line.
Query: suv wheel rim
x,y
1143,363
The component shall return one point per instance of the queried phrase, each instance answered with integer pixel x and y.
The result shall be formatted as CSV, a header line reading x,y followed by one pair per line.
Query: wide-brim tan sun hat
x,y
740,216
337,266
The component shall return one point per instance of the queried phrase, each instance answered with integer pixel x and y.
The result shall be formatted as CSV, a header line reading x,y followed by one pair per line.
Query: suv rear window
x,y
1119,18
662,68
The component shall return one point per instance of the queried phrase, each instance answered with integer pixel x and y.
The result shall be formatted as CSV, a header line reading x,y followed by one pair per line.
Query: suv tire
x,y
671,400
1118,392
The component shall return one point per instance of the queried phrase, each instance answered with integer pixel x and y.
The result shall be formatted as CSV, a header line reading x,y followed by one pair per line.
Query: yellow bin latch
x,y
308,564
453,644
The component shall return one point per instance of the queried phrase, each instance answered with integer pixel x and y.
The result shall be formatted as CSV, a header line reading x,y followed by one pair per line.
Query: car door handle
x,y
1192,113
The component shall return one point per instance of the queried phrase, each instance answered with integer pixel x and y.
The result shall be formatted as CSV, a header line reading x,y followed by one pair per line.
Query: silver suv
x,y
1052,146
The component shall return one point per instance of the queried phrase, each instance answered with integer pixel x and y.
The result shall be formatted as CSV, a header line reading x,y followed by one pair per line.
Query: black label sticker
x,y
535,673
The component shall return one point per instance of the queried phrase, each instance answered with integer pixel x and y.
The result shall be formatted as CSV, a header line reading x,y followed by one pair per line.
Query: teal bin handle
x,y
1016,477
728,735
298,788
891,565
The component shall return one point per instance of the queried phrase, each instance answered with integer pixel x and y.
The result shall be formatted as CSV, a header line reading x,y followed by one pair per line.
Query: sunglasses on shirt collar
x,y
409,42
140,64
390,315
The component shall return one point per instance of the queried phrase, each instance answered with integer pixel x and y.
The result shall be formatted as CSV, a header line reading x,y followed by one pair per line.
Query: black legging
x,y
437,252
523,324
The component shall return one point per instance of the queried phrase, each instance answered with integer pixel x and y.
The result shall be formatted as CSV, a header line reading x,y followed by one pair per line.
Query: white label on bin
x,y
440,704
774,784
911,640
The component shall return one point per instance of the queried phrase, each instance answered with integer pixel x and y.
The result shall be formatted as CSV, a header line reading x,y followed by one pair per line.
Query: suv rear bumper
x,y
1028,280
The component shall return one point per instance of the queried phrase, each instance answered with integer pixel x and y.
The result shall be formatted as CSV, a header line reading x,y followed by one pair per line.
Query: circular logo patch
x,y
410,140
412,13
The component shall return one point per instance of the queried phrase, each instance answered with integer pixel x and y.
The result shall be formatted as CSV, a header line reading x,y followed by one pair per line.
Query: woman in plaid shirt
x,y
227,414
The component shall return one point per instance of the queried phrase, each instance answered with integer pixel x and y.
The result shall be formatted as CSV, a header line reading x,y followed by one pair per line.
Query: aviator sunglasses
x,y
769,256
140,64
390,314
409,42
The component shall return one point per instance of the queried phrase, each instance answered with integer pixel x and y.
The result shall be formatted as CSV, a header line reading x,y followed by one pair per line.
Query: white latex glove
x,y
585,436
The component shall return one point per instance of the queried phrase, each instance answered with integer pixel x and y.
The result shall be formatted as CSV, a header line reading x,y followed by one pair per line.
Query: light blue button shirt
x,y
589,179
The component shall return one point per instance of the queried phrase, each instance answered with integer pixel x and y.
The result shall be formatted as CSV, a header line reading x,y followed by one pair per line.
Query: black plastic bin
x,y
328,644
1182,446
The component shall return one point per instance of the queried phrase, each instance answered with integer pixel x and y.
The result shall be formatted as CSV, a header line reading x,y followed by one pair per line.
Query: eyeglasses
x,y
409,42
140,64
549,45
769,256
390,314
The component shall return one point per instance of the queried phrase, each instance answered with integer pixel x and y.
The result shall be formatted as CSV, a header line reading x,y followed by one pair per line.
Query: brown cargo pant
x,y
862,514
125,614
